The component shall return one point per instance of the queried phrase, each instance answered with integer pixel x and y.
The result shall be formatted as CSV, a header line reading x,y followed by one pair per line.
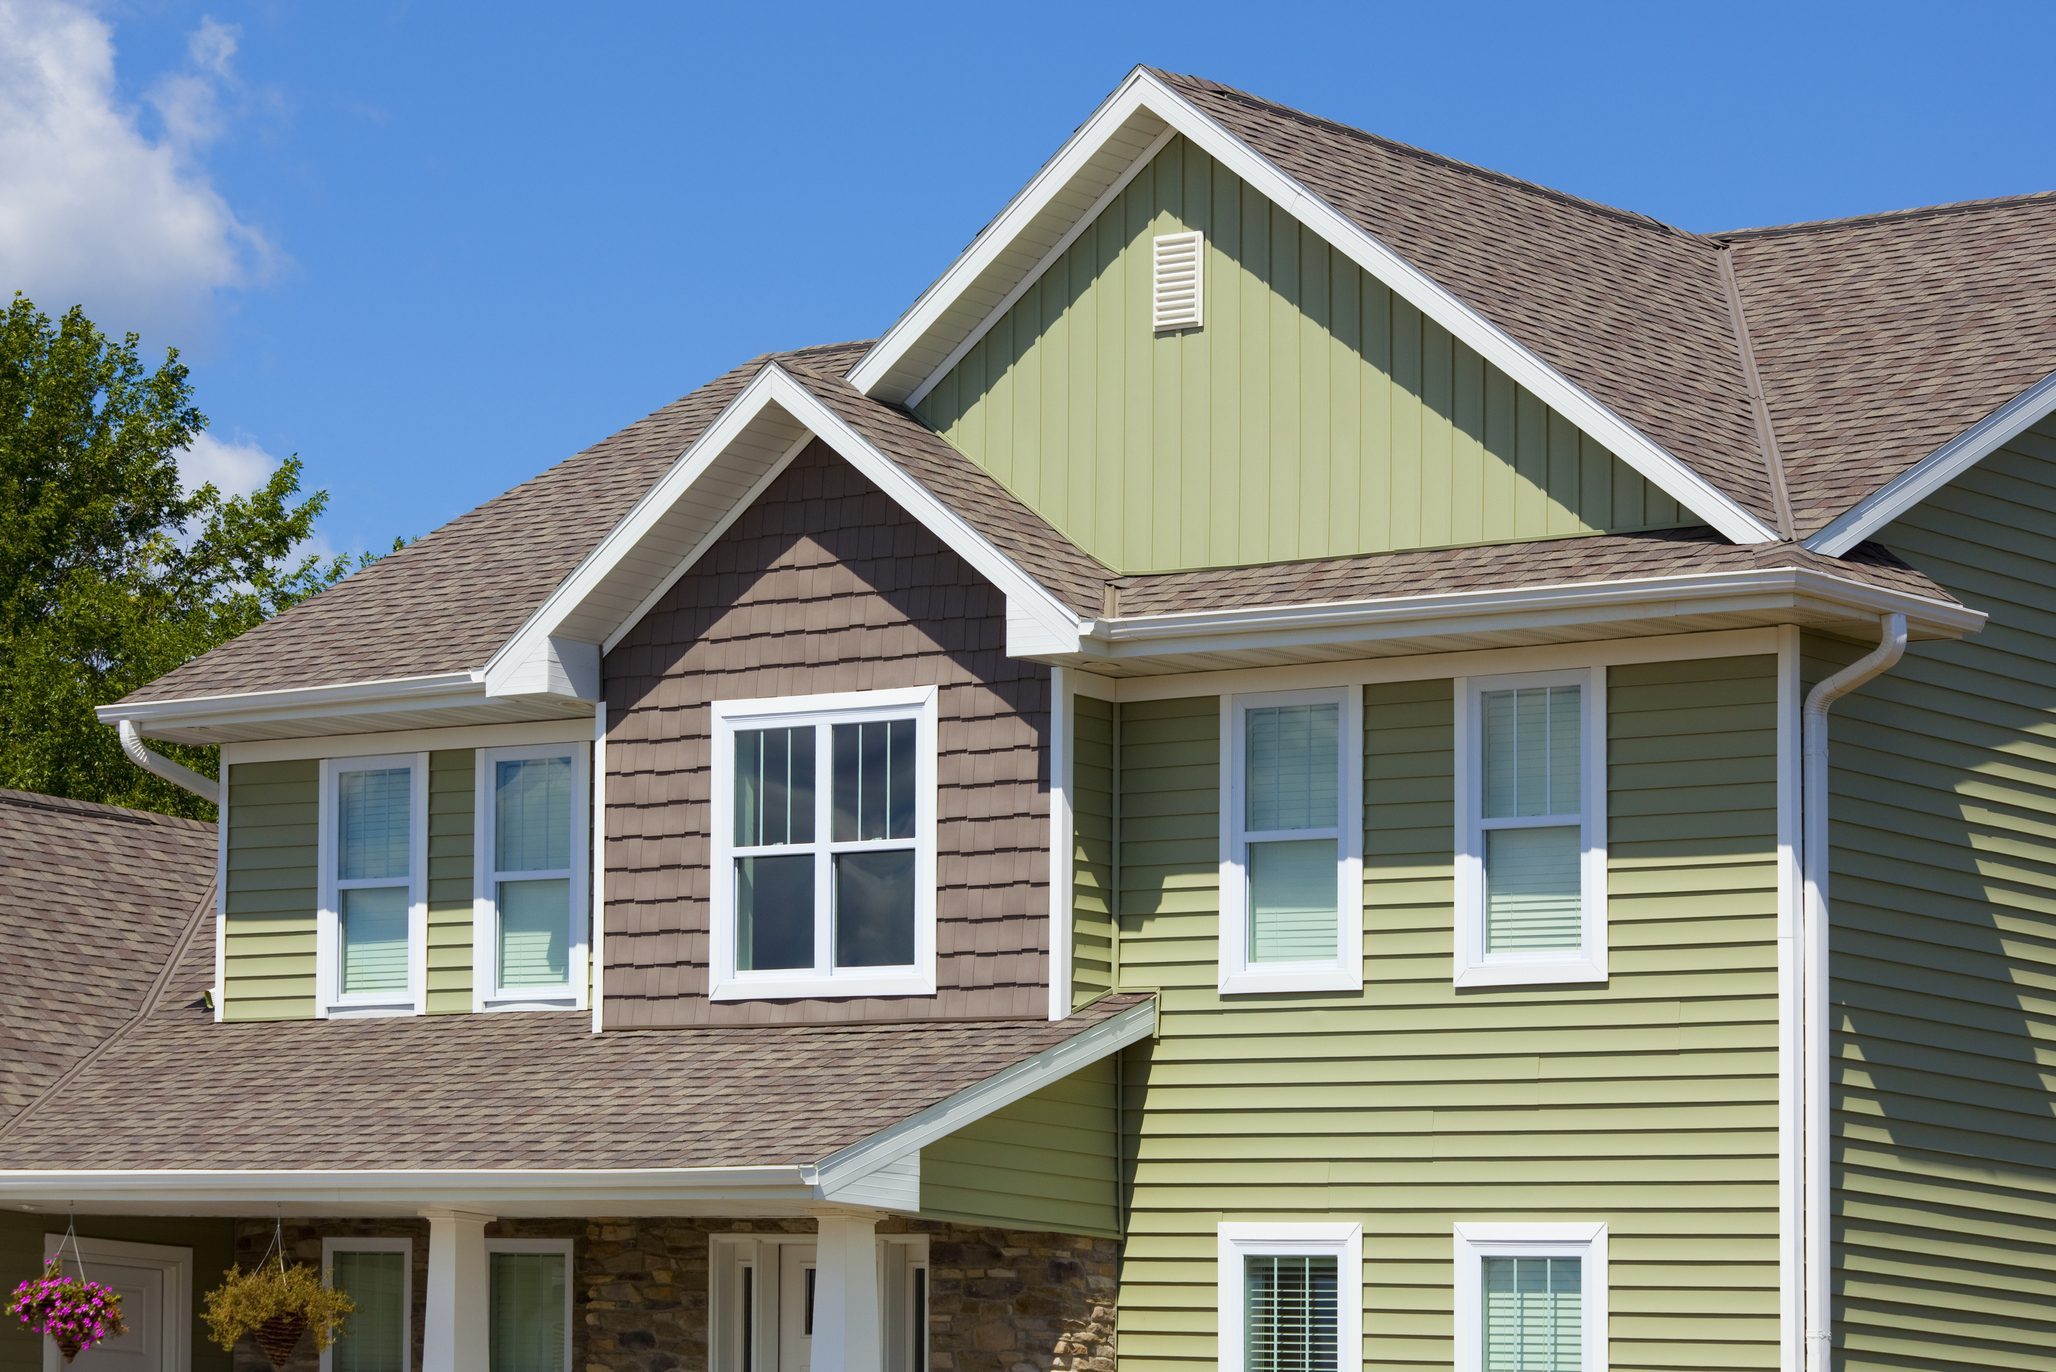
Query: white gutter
x,y
178,774
1814,1206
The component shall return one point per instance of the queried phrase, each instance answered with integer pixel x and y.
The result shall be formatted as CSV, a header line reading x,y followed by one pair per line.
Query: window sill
x,y
371,1009
1258,981
560,1000
800,987
1570,972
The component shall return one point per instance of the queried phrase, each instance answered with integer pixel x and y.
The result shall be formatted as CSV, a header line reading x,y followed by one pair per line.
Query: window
x,y
824,845
1531,807
529,901
373,919
1531,1298
760,1301
378,1274
528,1319
1291,1297
1292,842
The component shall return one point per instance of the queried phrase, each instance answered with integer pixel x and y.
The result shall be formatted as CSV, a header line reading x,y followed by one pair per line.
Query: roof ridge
x,y
120,814
1457,164
1950,207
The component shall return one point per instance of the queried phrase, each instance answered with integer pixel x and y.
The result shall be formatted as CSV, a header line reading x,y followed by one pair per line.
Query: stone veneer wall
x,y
999,1300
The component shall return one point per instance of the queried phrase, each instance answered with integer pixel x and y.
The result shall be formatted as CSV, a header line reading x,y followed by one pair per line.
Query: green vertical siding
x,y
268,942
212,1242
1314,415
1092,850
452,792
1943,897
1047,1162
1649,1103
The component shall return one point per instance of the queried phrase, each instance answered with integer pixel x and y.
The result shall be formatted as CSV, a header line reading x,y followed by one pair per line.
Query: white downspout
x,y
178,774
1814,1011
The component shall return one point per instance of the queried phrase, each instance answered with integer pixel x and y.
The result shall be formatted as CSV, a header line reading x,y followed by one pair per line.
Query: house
x,y
1321,758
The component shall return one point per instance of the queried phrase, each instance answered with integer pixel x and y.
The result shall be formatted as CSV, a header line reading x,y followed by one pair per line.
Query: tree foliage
x,y
111,574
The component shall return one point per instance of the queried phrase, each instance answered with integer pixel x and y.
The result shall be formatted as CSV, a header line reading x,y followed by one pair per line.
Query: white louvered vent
x,y
1176,287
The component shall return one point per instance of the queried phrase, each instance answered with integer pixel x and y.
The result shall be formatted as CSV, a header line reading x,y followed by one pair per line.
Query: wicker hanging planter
x,y
68,1346
76,1312
276,1305
278,1336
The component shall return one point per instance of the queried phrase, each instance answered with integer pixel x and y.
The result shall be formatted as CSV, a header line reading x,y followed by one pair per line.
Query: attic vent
x,y
1175,285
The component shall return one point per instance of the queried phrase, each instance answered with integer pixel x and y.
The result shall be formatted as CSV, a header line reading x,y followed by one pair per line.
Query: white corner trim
x,y
1062,842
840,1169
1237,1241
1143,93
332,1244
596,967
1474,1242
221,890
1473,966
1791,972
1876,511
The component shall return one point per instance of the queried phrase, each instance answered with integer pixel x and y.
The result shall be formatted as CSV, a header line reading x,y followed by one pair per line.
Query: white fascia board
x,y
846,1166
1416,616
1037,622
1875,512
353,697
1143,93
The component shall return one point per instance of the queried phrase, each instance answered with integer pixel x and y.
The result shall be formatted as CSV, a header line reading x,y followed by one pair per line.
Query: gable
x,y
1316,414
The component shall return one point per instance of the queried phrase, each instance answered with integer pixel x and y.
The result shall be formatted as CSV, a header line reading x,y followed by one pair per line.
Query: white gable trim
x,y
1036,621
1872,514
1142,94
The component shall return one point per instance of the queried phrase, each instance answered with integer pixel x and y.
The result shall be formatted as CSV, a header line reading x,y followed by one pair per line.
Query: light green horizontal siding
x,y
452,796
268,940
1047,1162
1092,852
1944,950
1649,1103
1314,415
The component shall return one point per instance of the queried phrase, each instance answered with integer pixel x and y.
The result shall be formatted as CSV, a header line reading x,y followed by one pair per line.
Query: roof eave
x,y
338,708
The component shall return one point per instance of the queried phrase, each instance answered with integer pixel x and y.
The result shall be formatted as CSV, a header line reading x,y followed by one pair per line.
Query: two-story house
x,y
1321,759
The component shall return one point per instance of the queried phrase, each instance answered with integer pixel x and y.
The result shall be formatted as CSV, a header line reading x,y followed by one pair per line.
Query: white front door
x,y
155,1284
795,1307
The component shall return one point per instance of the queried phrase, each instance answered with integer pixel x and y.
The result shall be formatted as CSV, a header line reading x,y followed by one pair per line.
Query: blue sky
x,y
434,248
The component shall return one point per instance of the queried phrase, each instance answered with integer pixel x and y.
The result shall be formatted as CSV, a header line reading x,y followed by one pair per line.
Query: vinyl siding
x,y
1092,851
1649,1103
452,797
212,1242
1943,901
268,944
1314,415
1047,1162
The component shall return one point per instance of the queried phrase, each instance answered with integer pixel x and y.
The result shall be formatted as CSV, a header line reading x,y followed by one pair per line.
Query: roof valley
x,y
1759,406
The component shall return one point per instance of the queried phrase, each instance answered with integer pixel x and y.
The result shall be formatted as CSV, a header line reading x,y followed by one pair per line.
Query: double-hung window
x,y
530,881
1531,818
1291,1297
1531,1298
372,923
824,845
528,1305
378,1276
1292,842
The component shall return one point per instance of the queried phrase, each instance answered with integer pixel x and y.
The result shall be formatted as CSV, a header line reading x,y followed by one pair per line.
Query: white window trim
x,y
563,1246
328,961
405,1247
729,716
1345,972
485,904
1589,964
1476,1242
1344,1242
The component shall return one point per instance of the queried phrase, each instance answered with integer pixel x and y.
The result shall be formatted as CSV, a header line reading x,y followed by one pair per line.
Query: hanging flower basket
x,y
76,1313
276,1305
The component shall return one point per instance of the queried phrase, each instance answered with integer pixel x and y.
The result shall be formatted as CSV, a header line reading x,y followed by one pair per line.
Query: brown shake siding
x,y
826,584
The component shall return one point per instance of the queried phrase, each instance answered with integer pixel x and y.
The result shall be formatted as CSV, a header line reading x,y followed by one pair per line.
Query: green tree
x,y
110,574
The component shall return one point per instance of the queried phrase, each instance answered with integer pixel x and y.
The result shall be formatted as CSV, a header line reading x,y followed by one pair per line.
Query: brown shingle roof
x,y
537,1090
94,901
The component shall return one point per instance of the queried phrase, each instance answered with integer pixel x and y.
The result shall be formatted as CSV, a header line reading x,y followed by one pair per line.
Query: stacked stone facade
x,y
999,1300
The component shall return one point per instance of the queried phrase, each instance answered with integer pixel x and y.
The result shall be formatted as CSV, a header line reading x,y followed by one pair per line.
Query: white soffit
x,y
1018,245
693,504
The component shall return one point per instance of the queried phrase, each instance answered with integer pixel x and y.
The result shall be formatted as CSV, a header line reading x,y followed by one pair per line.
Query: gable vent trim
x,y
1177,281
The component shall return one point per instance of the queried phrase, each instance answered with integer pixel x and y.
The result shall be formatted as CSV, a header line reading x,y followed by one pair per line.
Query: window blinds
x,y
1290,787
532,834
1532,745
527,1313
1534,1314
374,1337
1289,1319
374,831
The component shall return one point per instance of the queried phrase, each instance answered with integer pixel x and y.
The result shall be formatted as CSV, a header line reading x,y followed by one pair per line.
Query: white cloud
x,y
95,210
237,467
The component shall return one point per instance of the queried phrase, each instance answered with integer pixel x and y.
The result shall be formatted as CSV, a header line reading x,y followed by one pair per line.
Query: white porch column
x,y
846,1334
453,1329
